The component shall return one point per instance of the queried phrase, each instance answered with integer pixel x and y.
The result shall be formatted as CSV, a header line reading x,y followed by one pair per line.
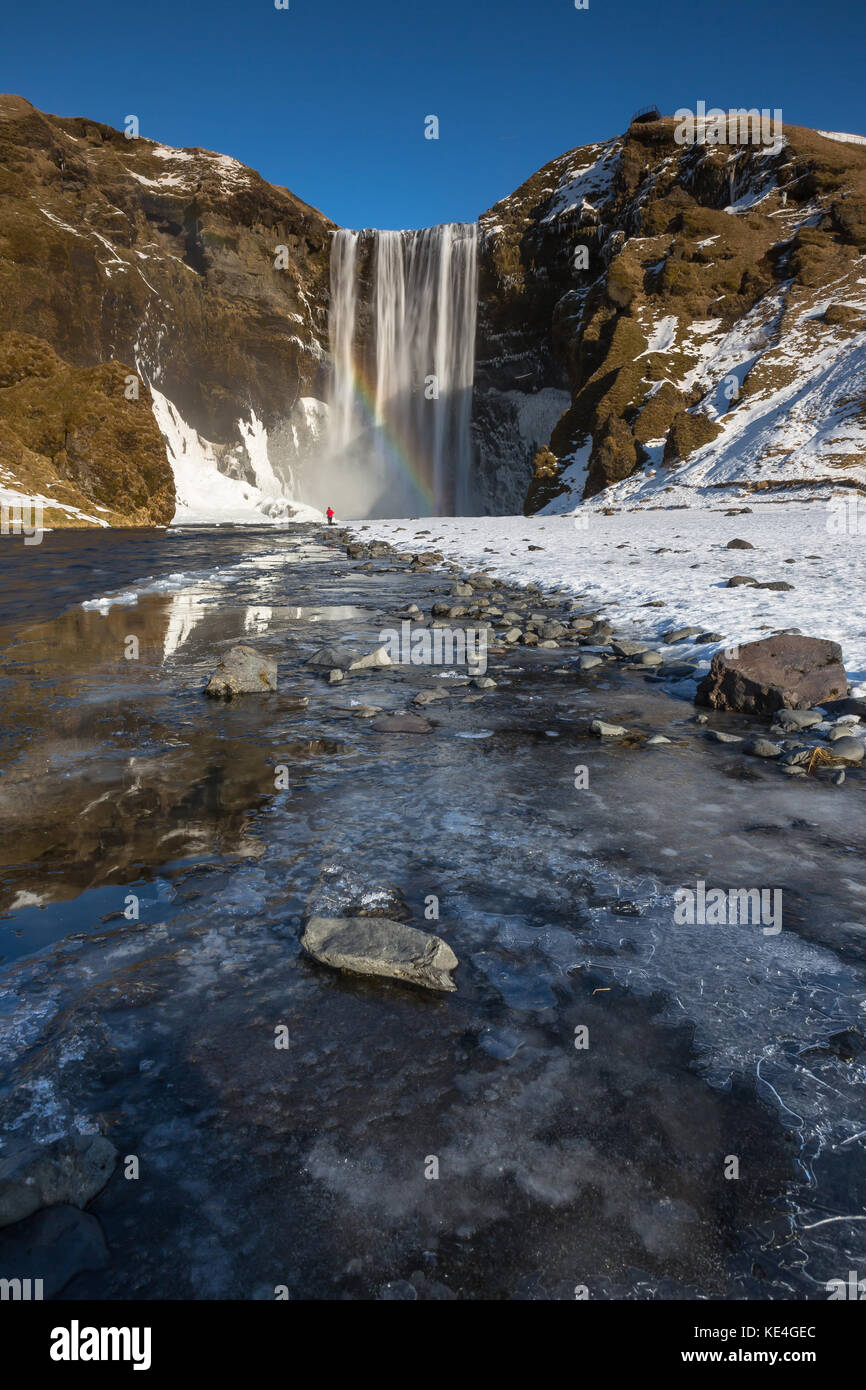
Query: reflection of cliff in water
x,y
110,770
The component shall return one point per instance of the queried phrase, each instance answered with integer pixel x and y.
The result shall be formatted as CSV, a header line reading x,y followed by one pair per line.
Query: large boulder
x,y
782,672
381,946
242,671
70,1171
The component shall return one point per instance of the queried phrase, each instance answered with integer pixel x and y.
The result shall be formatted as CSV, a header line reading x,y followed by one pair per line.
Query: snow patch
x,y
205,495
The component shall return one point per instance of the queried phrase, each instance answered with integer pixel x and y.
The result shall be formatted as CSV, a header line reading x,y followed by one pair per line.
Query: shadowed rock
x,y
54,1246
785,671
242,671
69,1171
380,946
851,749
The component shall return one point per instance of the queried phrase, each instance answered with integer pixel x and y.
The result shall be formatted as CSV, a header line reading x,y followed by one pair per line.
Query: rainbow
x,y
398,449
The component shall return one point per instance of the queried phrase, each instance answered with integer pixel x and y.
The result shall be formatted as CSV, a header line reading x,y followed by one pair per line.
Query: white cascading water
x,y
404,360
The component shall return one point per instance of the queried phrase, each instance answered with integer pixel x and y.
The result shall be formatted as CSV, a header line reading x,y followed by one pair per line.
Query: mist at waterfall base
x,y
402,333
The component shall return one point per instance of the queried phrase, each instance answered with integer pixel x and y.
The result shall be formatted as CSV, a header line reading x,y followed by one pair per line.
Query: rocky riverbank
x,y
376,1139
775,680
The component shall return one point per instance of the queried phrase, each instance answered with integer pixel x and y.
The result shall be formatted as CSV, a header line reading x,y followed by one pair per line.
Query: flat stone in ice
x,y
380,946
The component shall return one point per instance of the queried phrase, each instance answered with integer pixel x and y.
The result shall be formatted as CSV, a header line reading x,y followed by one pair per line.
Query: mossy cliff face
x,y
168,262
621,274
82,438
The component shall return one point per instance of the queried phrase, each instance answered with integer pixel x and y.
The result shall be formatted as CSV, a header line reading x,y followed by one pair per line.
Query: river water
x,y
312,1166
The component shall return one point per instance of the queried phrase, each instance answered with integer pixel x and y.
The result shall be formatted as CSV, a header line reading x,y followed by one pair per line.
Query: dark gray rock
x,y
798,718
428,697
380,946
851,750
623,646
739,544
762,748
848,705
70,1171
54,1246
348,659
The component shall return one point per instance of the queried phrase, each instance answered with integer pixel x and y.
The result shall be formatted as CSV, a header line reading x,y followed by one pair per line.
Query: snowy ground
x,y
621,563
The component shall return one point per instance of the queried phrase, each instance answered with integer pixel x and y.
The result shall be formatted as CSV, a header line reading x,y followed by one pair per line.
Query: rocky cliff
x,y
698,309
182,267
652,315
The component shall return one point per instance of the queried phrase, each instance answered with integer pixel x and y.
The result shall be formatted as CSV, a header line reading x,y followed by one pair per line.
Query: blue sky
x,y
329,97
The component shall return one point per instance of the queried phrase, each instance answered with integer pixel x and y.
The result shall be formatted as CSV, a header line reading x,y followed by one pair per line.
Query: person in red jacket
x,y
330,515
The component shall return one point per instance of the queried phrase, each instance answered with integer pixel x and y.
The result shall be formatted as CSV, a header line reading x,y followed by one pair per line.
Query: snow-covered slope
x,y
705,304
206,493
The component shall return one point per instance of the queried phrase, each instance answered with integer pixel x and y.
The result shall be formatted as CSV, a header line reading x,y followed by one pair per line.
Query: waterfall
x,y
402,330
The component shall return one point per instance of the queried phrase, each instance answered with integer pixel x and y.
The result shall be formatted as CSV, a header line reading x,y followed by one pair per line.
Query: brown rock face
x,y
687,433
183,264
782,672
72,436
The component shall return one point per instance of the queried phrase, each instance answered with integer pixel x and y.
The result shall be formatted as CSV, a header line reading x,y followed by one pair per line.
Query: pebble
x,y
601,729
763,748
798,718
622,646
427,697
